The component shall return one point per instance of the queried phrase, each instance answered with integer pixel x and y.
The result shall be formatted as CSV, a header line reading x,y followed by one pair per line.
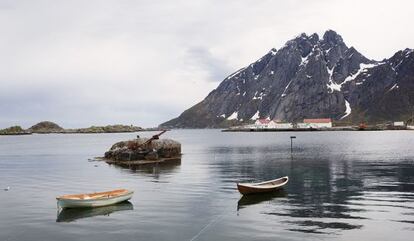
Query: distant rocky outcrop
x,y
14,130
48,127
310,77
45,127
106,129
137,150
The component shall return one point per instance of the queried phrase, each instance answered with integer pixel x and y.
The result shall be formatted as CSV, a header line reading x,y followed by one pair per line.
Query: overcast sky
x,y
80,63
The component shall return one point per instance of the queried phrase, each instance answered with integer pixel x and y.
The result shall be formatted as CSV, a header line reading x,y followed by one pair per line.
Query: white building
x,y
399,123
316,123
280,125
272,124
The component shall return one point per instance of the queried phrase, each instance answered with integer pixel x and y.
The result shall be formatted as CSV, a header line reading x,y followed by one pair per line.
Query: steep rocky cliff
x,y
309,77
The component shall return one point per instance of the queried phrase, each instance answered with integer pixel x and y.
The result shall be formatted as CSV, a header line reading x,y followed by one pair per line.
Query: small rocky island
x,y
14,130
48,127
143,151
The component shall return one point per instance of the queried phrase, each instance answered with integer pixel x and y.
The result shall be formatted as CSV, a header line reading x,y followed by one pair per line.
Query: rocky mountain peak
x,y
308,77
273,51
332,38
401,55
314,38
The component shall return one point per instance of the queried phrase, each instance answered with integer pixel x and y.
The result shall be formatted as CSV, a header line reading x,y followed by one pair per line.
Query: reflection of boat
x,y
267,186
97,199
72,214
247,200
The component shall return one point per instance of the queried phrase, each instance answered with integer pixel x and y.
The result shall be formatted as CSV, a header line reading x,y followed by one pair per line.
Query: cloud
x,y
200,59
143,62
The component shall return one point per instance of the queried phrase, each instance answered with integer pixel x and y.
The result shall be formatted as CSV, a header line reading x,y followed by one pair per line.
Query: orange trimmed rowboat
x,y
267,186
97,199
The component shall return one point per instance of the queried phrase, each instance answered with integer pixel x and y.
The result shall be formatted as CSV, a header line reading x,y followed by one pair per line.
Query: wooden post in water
x,y
291,143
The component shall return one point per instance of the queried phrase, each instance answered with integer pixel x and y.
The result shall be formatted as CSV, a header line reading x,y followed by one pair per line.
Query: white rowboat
x,y
97,199
267,186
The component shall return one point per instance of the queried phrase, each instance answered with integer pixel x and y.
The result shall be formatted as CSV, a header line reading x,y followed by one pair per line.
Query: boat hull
x,y
249,190
264,187
89,203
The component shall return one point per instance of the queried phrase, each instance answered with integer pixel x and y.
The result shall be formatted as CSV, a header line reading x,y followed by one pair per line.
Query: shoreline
x,y
64,133
347,128
70,132
48,127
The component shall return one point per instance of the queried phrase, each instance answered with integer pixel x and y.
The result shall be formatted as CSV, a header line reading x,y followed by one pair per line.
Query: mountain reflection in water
x,y
324,195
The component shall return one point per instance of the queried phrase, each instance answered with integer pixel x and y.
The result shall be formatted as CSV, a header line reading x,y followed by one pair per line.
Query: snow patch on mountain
x,y
233,116
347,109
260,96
255,116
395,86
235,73
331,84
304,60
287,86
362,69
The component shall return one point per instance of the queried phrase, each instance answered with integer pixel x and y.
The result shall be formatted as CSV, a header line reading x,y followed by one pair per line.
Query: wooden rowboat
x,y
267,186
97,199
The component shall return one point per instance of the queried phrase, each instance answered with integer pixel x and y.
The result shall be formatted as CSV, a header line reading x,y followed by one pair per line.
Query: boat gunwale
x,y
260,184
100,196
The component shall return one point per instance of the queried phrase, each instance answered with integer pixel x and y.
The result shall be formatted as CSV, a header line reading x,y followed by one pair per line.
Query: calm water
x,y
343,186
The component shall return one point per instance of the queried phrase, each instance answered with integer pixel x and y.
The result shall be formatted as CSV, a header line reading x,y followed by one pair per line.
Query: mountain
x,y
309,77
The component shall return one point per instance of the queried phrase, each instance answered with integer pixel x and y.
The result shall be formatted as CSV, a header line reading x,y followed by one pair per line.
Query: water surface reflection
x,y
342,186
247,200
329,191
72,214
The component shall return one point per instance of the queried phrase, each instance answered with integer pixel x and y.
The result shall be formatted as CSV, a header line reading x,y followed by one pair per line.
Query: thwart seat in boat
x,y
267,186
97,199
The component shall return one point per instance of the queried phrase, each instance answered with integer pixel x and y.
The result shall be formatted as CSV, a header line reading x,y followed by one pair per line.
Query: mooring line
x,y
207,226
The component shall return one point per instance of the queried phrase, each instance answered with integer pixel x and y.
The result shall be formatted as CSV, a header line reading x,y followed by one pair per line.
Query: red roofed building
x,y
262,123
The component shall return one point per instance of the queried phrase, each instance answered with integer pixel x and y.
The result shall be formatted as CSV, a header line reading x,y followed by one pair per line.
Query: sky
x,y
143,62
